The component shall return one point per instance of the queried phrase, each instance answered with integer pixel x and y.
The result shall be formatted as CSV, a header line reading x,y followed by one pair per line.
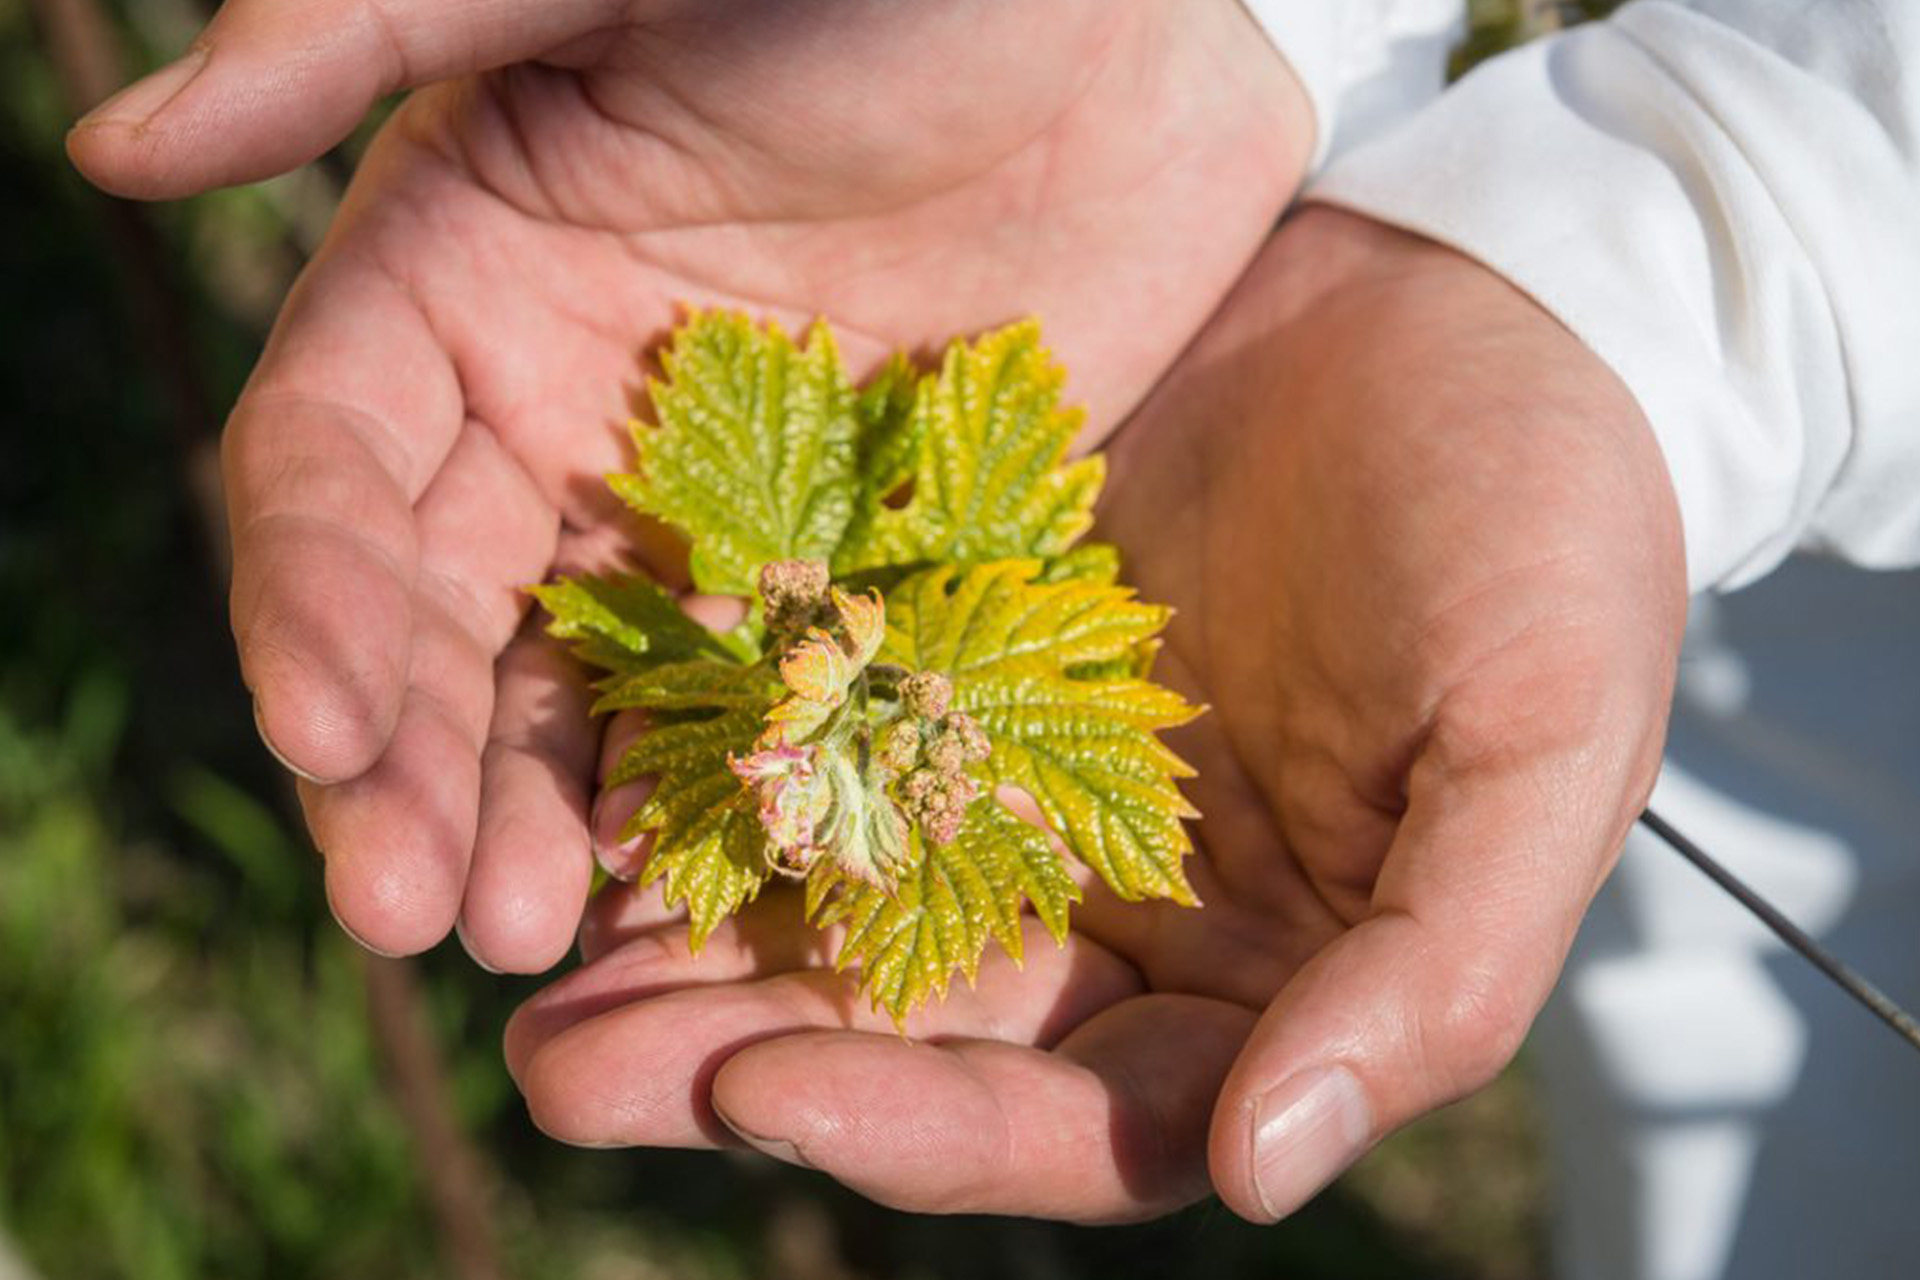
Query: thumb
x,y
271,84
1420,1004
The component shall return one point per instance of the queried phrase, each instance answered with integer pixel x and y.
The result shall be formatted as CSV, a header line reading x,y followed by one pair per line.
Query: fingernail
x,y
591,1144
1306,1131
260,726
460,932
140,101
362,943
347,929
621,859
779,1148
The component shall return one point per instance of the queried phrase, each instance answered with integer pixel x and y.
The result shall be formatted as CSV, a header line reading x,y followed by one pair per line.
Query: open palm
x,y
428,427
1429,576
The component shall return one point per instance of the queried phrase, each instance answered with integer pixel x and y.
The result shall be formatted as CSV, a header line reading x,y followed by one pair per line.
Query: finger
x,y
640,1075
343,426
1033,1001
765,940
605,535
1429,998
485,531
1110,1126
398,838
620,854
271,84
620,912
1241,947
715,613
529,881
531,865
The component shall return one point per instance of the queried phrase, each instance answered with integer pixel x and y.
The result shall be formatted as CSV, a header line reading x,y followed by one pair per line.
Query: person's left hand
x,y
428,430
1429,575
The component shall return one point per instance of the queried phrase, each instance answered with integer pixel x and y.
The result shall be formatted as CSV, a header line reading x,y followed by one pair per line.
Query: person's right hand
x,y
1428,572
427,429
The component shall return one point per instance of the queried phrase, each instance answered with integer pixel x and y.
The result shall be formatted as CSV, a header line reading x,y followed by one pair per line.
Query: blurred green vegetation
x,y
190,1085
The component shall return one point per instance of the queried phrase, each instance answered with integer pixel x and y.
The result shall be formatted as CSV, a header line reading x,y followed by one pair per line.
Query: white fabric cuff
x,y
1733,235
1362,63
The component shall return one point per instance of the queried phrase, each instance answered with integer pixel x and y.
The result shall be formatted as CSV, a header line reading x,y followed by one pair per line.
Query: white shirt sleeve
x,y
1722,199
1364,64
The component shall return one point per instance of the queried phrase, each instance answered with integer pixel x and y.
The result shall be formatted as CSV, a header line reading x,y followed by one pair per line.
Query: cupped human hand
x,y
427,430
1430,579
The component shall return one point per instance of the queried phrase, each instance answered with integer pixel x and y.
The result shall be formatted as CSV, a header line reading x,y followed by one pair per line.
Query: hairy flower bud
x,y
957,742
899,747
794,591
946,753
938,802
972,738
926,694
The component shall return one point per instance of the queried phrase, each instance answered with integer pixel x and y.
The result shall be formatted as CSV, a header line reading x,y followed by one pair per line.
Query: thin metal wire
x,y
1877,1001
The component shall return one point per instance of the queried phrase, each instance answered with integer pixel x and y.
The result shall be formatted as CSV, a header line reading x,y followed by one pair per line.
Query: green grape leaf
x,y
1008,656
709,846
942,912
1097,562
890,431
888,445
697,684
1019,653
626,625
991,480
755,456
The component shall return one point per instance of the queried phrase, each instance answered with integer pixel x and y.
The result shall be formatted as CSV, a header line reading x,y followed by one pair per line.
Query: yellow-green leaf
x,y
991,478
952,493
889,442
626,625
754,456
1090,562
943,911
709,845
695,684
1033,662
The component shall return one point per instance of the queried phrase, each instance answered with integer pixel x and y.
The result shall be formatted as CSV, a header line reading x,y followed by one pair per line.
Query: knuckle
x,y
1473,1032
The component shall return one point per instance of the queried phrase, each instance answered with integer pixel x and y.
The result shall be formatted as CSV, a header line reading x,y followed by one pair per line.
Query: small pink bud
x,y
793,587
794,593
793,795
926,694
972,738
947,753
899,746
938,802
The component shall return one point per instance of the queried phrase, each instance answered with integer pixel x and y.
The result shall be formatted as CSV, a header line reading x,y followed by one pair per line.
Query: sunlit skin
x,y
1430,579
1423,547
428,427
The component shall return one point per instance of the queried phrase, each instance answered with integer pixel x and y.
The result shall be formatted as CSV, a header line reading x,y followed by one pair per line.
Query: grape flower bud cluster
x,y
855,753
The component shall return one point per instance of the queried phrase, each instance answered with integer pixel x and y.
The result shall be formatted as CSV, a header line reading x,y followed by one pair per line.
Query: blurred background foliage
x,y
199,1076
